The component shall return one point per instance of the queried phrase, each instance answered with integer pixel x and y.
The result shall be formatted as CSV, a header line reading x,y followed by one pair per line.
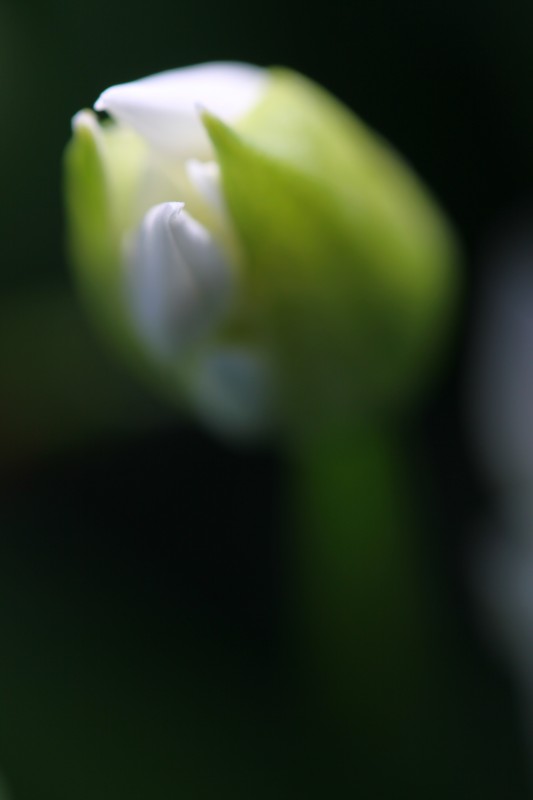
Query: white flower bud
x,y
304,240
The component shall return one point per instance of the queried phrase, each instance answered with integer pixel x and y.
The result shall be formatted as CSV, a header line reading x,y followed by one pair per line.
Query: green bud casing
x,y
351,268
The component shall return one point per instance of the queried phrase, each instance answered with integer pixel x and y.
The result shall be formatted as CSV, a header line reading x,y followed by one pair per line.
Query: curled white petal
x,y
233,390
163,108
180,283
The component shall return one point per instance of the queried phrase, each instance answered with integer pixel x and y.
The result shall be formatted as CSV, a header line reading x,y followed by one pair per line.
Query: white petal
x,y
205,177
180,283
163,108
233,391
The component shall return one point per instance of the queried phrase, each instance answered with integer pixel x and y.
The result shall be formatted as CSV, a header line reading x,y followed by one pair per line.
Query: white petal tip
x,y
180,284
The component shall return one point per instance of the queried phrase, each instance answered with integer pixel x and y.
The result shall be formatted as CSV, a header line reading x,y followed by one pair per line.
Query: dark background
x,y
141,579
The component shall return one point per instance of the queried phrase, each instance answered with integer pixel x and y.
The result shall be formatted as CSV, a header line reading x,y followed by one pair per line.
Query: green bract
x,y
322,271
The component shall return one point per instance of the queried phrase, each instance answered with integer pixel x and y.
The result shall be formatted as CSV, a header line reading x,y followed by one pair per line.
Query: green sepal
x,y
101,171
350,266
93,243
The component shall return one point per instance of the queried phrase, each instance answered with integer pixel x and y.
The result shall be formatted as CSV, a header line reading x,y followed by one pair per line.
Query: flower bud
x,y
251,244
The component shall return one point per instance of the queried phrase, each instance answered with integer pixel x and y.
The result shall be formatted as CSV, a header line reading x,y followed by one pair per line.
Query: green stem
x,y
390,678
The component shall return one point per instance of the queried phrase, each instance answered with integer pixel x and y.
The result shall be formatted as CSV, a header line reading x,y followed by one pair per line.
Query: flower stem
x,y
392,682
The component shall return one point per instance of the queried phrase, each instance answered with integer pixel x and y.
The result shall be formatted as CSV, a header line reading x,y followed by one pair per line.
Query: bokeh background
x,y
142,582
